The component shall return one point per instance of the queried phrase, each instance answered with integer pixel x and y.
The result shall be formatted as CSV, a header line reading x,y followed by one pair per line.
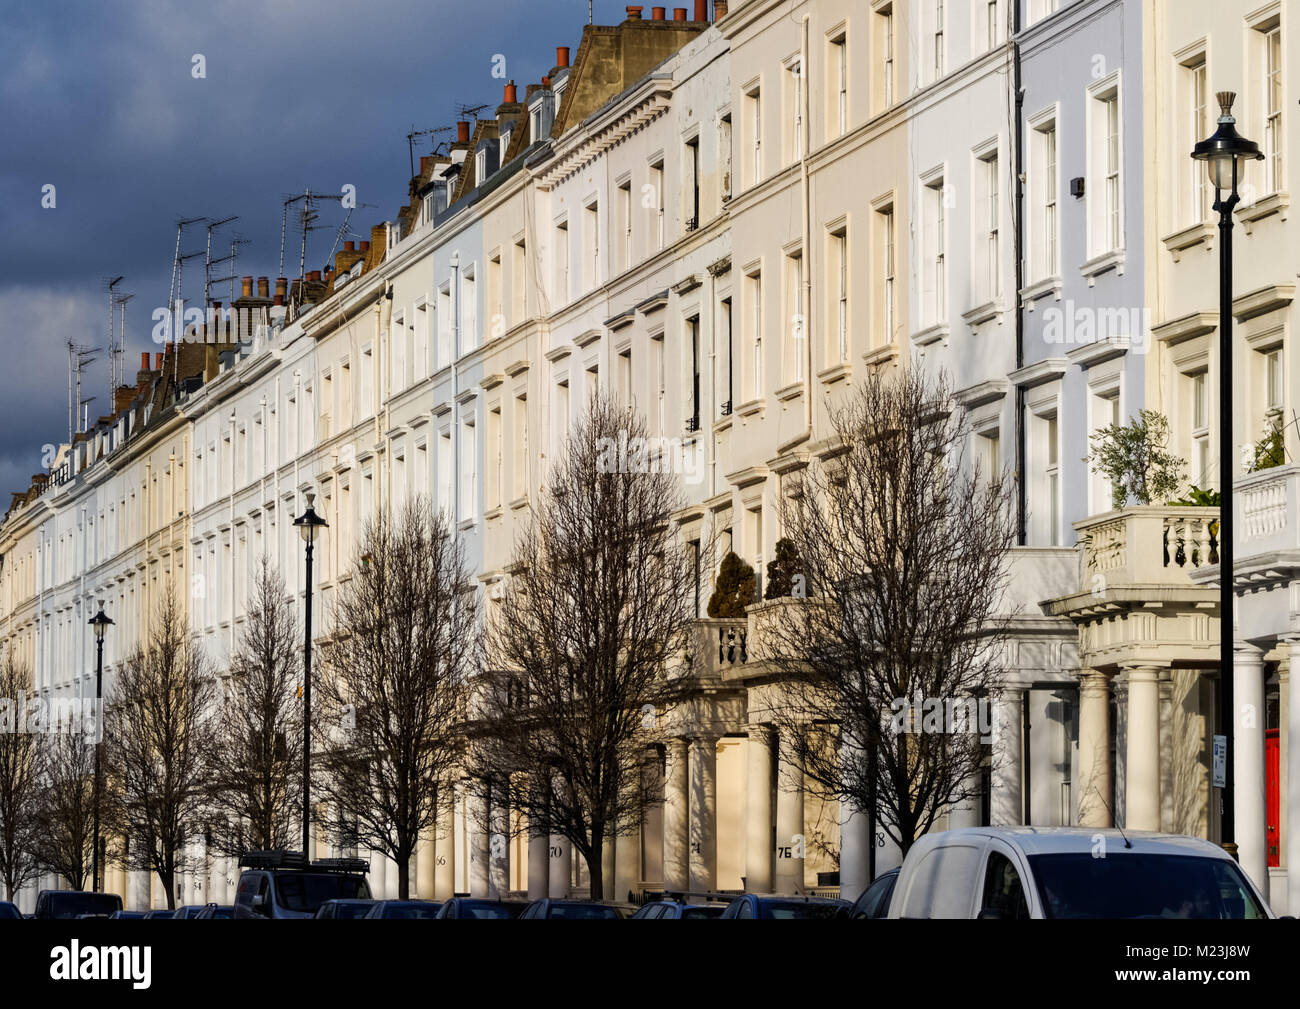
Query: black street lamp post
x,y
309,525
1226,154
101,622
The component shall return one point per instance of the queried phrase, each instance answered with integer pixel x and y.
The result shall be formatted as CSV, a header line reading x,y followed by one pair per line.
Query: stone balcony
x,y
1267,561
1142,593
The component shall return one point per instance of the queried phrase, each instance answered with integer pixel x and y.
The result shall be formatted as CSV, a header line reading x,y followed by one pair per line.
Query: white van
x,y
1071,872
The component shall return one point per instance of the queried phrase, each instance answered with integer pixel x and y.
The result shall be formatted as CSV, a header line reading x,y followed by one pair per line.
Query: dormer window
x,y
480,166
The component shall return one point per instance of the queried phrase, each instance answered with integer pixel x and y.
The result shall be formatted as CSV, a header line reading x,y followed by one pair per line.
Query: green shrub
x,y
734,590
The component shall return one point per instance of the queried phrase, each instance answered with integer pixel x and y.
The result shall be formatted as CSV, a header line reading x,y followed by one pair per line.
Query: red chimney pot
x,y
364,246
634,13
144,360
561,56
701,10
462,132
511,95
657,13
679,13
157,361
349,246
247,283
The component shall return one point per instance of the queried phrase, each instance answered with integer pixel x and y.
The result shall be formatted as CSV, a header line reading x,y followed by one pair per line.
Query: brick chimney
x,y
157,361
701,10
281,289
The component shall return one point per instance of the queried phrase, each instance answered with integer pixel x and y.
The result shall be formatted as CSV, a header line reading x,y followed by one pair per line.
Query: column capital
x,y
1144,672
1094,681
1246,654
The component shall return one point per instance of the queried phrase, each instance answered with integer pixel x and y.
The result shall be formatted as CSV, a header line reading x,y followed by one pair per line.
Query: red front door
x,y
1270,791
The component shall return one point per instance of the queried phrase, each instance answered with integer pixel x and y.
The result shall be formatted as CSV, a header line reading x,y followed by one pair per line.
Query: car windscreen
x,y
412,910
702,912
583,911
70,905
357,909
1145,885
223,912
307,891
798,909
491,910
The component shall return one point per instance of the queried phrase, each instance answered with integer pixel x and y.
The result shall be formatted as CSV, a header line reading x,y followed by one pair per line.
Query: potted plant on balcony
x,y
733,591
1136,459
1270,450
785,575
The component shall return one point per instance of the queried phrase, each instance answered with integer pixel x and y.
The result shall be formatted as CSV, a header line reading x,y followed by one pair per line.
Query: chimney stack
x,y
157,361
281,290
144,360
679,13
701,10
634,13
462,132
561,56
657,13
424,163
314,275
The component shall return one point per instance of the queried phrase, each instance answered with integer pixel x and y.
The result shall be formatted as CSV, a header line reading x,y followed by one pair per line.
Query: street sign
x,y
1220,762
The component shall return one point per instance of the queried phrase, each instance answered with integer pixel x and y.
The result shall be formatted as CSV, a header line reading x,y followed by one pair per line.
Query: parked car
x,y
403,909
344,909
160,912
1071,872
874,902
216,911
125,914
678,909
752,905
284,884
75,903
548,907
473,907
9,910
188,911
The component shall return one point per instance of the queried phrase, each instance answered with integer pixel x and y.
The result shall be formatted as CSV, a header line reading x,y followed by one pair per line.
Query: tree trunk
x,y
404,876
168,880
594,867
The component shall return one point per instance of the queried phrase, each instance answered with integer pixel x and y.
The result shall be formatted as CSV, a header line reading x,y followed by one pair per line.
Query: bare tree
x,y
903,543
392,685
255,764
580,647
63,841
19,781
158,728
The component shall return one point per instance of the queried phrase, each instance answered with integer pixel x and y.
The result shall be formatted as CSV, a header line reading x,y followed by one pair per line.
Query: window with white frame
x,y
657,194
1045,184
991,17
1045,500
519,281
659,373
520,444
625,225
1199,397
838,89
794,111
1198,196
1106,183
1272,99
469,335
885,294
591,245
560,257
468,470
495,488
495,305
885,84
420,355
1103,411
937,40
1274,380
444,326
446,473
754,135
795,319
934,251
839,272
754,314
397,352
988,251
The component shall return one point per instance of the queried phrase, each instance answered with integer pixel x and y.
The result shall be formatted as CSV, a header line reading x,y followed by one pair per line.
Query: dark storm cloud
x,y
98,100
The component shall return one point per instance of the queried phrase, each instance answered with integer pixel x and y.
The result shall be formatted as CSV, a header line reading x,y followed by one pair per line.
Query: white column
x,y
424,858
1095,793
561,868
444,850
479,842
1006,804
704,812
1142,768
627,858
789,814
1291,829
758,810
138,887
855,835
608,857
539,865
676,818
965,813
391,878
1248,786
499,845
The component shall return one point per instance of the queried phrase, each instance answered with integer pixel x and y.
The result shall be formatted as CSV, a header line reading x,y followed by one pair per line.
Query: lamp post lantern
x,y
1226,155
309,524
100,623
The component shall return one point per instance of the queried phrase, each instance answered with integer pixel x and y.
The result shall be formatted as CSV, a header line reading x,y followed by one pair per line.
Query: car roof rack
x,y
273,860
349,865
